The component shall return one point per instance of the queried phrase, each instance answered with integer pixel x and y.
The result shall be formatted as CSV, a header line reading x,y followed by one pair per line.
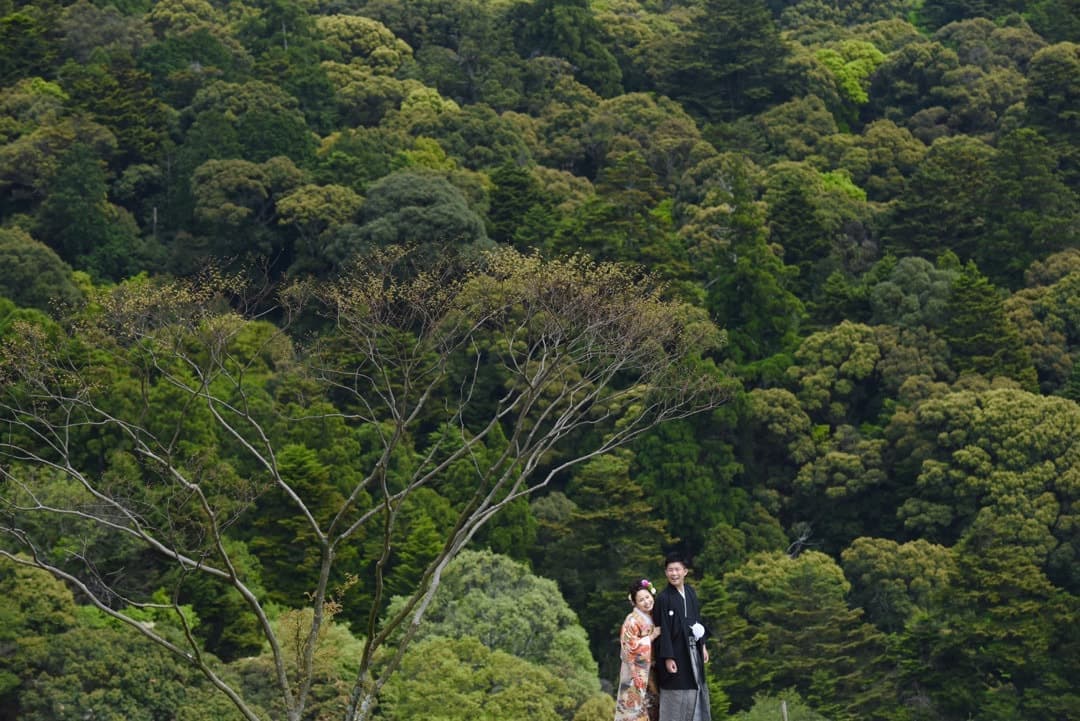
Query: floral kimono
x,y
636,698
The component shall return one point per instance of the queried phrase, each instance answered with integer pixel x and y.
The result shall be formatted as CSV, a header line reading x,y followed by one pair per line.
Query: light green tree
x,y
31,274
892,581
987,449
461,679
499,602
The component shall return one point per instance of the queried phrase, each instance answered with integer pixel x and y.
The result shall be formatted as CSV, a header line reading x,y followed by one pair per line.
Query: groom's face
x,y
676,573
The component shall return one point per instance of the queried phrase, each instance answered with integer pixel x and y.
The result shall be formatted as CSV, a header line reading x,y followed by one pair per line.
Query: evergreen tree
x,y
514,194
927,220
283,539
1001,641
83,227
982,339
783,624
568,29
1030,211
748,285
606,534
730,63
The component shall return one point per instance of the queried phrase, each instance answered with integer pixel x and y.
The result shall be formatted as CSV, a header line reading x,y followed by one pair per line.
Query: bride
x,y
636,699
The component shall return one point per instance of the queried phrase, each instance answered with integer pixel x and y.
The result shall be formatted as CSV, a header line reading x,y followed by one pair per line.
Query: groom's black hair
x,y
675,557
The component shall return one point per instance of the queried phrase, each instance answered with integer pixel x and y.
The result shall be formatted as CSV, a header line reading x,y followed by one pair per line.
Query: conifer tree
x,y
982,339
730,63
784,624
514,194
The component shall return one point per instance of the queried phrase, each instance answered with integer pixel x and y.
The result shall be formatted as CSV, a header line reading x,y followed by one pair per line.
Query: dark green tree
x,y
819,220
514,194
287,550
1030,211
690,470
783,623
607,534
926,221
1055,20
1001,640
77,220
262,118
87,27
728,63
62,661
502,604
568,29
277,24
28,39
901,86
934,14
32,275
748,285
421,209
471,682
982,339
121,97
182,63
1052,103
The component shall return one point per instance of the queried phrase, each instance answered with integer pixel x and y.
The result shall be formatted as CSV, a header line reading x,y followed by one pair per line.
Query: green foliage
x,y
927,221
691,479
593,540
413,208
25,38
284,541
461,680
53,668
83,227
933,14
267,121
749,286
786,626
915,293
1030,212
815,218
32,275
729,63
892,582
498,602
877,200
1002,616
784,705
568,29
993,449
852,63
980,336
120,97
33,607
514,194
901,86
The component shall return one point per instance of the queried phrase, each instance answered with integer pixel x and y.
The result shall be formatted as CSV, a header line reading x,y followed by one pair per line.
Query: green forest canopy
x,y
876,202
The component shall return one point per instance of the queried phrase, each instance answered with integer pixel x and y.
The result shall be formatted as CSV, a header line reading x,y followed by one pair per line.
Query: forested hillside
x,y
357,354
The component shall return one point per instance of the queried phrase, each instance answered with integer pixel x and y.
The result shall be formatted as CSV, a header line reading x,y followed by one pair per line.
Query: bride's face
x,y
643,600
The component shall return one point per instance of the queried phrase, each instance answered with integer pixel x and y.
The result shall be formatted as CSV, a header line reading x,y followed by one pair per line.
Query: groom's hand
x,y
671,667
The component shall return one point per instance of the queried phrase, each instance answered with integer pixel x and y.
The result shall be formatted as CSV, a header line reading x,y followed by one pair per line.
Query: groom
x,y
680,653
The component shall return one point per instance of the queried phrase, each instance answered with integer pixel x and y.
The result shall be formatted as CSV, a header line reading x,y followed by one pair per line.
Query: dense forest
x,y
357,355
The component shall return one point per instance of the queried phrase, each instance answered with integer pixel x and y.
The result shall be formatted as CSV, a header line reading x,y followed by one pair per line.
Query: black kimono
x,y
683,694
674,621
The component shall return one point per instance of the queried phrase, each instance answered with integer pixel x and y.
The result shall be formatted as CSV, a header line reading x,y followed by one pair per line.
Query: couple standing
x,y
667,630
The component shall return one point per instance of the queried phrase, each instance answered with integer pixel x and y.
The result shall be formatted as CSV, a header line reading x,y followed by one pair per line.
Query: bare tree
x,y
578,349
